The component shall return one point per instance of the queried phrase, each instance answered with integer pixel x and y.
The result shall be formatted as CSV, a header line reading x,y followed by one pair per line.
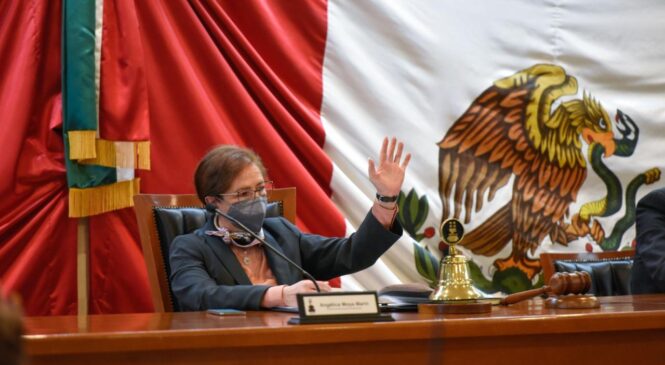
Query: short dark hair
x,y
219,167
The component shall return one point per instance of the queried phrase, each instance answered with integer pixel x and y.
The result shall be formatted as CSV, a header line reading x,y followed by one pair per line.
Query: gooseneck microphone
x,y
211,208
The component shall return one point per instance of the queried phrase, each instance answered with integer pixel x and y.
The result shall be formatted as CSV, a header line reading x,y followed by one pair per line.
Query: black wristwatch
x,y
385,198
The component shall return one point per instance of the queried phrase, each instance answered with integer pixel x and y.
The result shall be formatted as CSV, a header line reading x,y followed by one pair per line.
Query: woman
x,y
220,266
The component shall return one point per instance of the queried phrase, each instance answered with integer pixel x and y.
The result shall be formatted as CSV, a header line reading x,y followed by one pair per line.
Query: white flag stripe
x,y
410,69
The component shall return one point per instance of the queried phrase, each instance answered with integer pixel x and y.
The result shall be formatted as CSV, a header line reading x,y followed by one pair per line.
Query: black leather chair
x,y
162,217
610,271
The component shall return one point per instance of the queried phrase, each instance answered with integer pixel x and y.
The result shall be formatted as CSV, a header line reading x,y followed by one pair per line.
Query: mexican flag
x,y
105,106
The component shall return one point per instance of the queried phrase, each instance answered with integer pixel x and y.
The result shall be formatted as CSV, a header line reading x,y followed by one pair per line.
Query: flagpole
x,y
82,264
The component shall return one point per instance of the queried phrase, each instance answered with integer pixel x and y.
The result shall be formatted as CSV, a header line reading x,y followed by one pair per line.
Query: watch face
x,y
452,231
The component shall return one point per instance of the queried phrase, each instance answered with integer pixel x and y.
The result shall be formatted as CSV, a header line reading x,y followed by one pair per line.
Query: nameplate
x,y
339,307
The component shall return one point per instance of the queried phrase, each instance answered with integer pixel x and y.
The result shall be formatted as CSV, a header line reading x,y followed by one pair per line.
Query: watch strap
x,y
386,198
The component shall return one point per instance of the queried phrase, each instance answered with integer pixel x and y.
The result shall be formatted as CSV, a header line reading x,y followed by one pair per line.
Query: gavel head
x,y
562,283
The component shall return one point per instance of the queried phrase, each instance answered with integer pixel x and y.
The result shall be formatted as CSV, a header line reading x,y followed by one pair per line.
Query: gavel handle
x,y
523,295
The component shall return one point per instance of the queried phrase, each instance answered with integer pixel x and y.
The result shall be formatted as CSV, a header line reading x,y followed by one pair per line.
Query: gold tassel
x,y
143,155
102,199
129,155
105,154
82,144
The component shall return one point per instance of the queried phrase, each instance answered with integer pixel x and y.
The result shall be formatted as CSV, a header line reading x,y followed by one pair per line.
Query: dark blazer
x,y
206,274
648,274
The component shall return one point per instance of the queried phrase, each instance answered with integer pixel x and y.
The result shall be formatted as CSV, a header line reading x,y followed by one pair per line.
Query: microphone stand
x,y
269,246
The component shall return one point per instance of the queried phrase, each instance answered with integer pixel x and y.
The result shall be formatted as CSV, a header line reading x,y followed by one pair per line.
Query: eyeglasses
x,y
247,194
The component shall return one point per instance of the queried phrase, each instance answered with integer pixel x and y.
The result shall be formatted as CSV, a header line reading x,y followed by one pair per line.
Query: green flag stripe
x,y
79,99
79,87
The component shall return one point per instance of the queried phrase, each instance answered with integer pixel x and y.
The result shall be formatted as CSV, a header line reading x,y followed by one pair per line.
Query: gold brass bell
x,y
454,279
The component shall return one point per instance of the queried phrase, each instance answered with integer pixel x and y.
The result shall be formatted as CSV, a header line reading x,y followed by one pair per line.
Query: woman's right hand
x,y
303,286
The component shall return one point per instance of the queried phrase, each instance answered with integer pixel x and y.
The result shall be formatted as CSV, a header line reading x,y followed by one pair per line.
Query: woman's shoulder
x,y
279,224
189,239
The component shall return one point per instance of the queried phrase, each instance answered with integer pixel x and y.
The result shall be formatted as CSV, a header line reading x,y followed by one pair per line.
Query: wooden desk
x,y
629,329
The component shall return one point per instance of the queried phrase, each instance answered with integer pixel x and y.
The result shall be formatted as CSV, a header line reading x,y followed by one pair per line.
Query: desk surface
x,y
627,328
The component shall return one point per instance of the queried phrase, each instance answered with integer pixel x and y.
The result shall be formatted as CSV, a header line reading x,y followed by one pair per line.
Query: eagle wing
x,y
482,149
493,140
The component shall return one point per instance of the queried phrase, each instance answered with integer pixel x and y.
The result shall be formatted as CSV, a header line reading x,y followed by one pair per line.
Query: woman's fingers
x,y
398,155
405,163
384,149
391,149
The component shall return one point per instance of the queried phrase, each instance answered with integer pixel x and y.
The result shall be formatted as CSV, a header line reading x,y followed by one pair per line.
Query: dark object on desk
x,y
397,307
416,298
610,271
405,294
162,217
285,309
224,312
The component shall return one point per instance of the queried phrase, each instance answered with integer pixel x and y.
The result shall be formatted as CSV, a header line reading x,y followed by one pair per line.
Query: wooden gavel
x,y
561,283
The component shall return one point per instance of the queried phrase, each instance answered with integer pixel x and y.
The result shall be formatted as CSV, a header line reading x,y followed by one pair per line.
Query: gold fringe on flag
x,y
102,199
143,155
130,155
105,154
82,144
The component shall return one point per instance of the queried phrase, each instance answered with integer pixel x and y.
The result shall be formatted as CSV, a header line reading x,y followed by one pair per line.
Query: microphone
x,y
212,209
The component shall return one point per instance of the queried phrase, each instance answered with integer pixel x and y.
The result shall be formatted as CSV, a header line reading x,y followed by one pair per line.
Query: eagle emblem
x,y
512,132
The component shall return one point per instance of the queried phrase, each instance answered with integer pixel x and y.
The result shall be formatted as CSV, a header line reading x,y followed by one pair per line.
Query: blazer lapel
x,y
280,268
226,257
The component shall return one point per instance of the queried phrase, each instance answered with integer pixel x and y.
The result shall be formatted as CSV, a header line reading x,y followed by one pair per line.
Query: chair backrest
x,y
162,217
610,271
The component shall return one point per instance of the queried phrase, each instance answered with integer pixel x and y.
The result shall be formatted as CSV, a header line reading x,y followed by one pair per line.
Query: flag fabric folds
x,y
105,124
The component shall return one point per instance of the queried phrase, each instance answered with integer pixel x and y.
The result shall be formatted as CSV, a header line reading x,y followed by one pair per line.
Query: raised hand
x,y
388,176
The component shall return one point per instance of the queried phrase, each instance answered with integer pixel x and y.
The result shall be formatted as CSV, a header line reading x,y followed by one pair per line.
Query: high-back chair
x,y
610,271
162,217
